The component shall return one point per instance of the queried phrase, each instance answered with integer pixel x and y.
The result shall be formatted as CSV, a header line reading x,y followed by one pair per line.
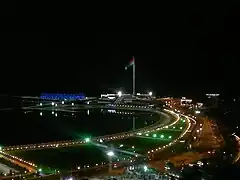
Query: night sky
x,y
202,59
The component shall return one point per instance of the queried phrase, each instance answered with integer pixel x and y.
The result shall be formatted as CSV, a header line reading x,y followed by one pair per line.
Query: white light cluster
x,y
119,112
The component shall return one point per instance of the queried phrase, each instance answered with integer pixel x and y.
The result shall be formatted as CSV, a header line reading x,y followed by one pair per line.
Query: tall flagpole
x,y
134,77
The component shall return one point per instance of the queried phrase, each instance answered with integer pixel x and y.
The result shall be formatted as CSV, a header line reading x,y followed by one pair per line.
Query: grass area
x,y
50,160
151,140
137,144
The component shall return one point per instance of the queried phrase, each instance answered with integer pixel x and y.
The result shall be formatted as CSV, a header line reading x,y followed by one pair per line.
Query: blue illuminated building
x,y
53,96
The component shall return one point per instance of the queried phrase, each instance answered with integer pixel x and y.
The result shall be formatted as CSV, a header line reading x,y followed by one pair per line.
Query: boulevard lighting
x,y
40,170
41,113
121,145
40,104
52,112
87,140
170,137
119,93
162,136
72,104
0,148
101,141
155,135
150,93
62,102
110,153
52,103
181,127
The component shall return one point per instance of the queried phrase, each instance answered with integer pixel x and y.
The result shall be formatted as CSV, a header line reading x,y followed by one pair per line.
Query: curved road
x,y
154,127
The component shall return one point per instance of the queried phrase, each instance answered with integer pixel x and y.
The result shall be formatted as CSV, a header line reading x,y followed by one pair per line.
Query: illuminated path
x,y
156,150
155,127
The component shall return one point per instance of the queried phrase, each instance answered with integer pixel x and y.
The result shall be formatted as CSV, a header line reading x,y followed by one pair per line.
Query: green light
x,y
154,135
162,136
40,170
145,168
170,137
87,140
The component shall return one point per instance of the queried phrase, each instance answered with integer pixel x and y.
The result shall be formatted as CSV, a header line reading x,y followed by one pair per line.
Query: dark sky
x,y
202,57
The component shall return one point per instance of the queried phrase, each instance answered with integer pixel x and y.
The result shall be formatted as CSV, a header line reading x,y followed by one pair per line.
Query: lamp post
x,y
110,155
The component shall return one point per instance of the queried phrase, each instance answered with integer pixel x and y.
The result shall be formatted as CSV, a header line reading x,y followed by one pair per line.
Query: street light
x,y
87,140
110,155
119,93
150,93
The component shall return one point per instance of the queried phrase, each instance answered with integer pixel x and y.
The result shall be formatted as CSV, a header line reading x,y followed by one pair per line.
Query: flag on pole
x,y
131,63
